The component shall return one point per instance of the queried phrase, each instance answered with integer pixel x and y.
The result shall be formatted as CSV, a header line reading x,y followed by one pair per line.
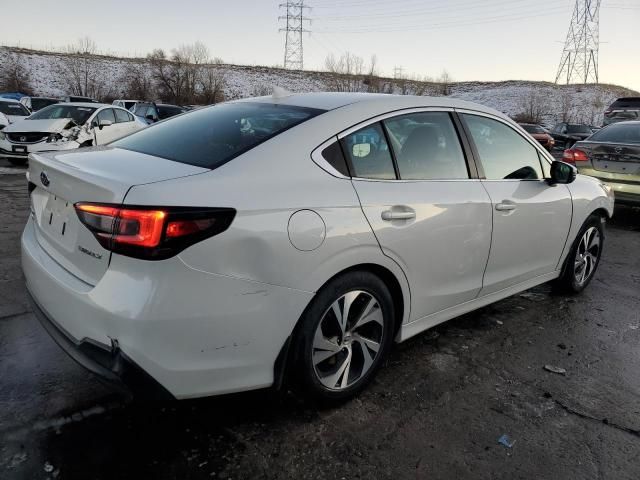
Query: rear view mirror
x,y
150,117
361,149
562,172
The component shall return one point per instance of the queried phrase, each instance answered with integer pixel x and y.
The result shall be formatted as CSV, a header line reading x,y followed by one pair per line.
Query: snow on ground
x,y
584,103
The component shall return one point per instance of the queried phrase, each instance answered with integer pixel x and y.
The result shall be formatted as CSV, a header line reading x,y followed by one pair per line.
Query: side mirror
x,y
562,173
104,123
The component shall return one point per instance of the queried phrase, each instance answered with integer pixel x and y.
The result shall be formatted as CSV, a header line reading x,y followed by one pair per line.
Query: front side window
x,y
368,153
504,153
122,116
78,114
426,147
106,114
212,136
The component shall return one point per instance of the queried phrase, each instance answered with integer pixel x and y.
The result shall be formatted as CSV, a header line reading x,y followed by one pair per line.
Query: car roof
x,y
87,104
333,100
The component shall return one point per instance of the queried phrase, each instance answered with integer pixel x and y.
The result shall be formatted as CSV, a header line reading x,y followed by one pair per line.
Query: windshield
x,y
578,129
17,109
212,136
533,128
79,114
618,133
40,103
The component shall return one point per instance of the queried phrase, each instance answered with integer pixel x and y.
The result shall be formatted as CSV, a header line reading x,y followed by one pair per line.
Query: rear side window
x,y
368,153
618,133
106,114
426,147
504,154
212,136
334,157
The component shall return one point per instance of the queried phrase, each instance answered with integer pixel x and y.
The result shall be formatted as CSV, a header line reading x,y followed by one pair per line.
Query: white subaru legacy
x,y
295,238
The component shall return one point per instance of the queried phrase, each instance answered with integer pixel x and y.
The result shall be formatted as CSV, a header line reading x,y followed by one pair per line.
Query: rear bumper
x,y
626,191
194,333
108,362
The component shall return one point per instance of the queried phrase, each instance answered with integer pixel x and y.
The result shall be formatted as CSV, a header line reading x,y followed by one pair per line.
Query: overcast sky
x,y
471,39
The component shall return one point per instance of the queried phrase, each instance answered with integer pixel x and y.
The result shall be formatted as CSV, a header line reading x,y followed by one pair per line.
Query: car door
x,y
531,218
107,133
125,122
424,205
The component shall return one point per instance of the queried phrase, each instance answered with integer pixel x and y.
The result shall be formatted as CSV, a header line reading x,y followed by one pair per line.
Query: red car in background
x,y
540,134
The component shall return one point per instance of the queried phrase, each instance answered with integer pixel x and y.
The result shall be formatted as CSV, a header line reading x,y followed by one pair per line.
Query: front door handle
x,y
390,215
505,206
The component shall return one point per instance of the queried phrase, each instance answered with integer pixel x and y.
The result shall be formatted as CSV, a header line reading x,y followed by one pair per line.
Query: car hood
x,y
55,125
9,119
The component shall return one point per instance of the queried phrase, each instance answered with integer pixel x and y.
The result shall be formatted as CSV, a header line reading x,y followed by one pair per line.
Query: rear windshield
x,y
578,129
78,114
212,136
11,108
533,128
629,102
618,133
166,111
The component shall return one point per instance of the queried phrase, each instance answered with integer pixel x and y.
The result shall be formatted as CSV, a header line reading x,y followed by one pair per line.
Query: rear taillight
x,y
152,233
574,155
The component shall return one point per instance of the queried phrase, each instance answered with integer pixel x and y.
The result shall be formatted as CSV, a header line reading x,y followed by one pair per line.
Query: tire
x,y
19,162
581,264
323,344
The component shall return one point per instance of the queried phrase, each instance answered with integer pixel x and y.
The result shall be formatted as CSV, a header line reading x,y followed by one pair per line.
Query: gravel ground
x,y
436,410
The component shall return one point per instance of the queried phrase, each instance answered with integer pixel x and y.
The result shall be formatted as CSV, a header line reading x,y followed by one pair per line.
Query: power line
x,y
579,61
294,29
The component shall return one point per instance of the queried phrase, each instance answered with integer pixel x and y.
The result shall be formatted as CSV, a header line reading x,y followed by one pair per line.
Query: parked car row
x,y
65,126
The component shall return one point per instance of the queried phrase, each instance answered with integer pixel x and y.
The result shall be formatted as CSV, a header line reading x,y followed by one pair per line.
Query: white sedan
x,y
66,126
296,238
11,111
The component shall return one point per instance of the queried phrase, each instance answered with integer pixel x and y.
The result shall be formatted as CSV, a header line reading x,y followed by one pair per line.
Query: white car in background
x,y
11,111
66,126
296,237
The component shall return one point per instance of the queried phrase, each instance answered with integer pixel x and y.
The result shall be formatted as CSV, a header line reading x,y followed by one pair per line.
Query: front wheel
x,y
584,257
344,335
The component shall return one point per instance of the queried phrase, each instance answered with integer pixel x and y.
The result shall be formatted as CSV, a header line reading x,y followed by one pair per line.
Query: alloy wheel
x,y
347,340
587,255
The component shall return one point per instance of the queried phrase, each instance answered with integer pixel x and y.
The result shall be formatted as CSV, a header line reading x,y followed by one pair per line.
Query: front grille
x,y
27,137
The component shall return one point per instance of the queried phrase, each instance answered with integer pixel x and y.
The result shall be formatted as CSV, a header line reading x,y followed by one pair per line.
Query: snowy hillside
x,y
584,103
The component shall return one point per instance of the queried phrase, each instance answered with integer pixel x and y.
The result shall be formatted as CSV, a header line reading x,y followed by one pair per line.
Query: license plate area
x,y
55,218
19,149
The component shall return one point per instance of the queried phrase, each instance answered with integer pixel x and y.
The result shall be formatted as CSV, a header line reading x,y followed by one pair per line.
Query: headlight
x,y
54,137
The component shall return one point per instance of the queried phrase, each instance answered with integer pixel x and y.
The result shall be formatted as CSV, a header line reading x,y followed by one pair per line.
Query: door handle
x,y
390,215
505,206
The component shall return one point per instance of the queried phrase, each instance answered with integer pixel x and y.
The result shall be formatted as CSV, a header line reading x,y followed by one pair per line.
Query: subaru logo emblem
x,y
44,179
23,139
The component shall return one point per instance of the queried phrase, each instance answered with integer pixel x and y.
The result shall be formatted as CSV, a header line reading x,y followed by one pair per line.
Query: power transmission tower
x,y
579,61
397,73
294,28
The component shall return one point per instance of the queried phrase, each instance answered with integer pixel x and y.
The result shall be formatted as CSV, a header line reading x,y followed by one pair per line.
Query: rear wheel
x,y
344,335
584,257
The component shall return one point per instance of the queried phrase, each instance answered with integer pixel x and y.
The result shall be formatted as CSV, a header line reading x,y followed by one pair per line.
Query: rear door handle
x,y
505,206
392,214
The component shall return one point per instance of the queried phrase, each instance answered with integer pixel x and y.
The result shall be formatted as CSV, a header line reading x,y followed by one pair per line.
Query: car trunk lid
x,y
614,158
102,175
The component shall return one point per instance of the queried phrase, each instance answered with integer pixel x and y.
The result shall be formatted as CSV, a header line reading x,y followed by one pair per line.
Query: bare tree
x,y
14,77
347,72
444,83
566,106
81,70
137,82
533,108
212,82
